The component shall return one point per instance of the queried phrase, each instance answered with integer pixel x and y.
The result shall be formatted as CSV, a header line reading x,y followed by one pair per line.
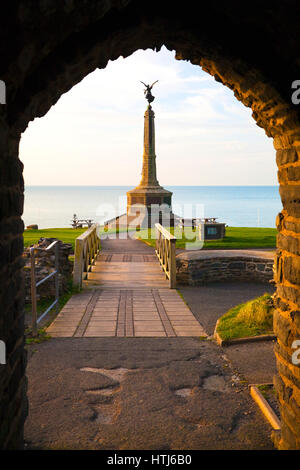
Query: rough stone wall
x,y
47,47
202,271
287,315
45,264
13,384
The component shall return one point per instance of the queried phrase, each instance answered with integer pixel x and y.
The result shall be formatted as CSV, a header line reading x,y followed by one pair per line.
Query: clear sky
x,y
94,134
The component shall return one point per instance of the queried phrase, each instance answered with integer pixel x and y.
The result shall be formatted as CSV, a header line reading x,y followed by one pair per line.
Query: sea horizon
x,y
166,185
53,206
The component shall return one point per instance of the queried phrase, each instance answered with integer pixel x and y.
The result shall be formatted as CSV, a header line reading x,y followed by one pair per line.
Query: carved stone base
x,y
149,205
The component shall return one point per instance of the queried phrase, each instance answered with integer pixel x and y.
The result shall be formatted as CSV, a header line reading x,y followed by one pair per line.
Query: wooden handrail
x,y
165,232
166,253
87,247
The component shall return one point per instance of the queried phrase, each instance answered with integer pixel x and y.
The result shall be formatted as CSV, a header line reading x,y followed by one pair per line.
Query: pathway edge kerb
x,y
212,254
247,339
265,407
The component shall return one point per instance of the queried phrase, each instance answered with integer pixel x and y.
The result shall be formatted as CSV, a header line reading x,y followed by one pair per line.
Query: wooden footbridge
x,y
128,290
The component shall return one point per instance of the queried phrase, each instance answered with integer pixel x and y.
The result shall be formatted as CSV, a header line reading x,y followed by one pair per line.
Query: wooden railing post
x,y
172,262
87,247
166,253
77,271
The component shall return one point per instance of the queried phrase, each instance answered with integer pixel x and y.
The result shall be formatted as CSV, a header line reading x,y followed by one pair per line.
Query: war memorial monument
x,y
149,202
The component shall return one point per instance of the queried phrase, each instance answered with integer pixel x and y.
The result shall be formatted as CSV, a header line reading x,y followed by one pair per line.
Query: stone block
x,y
279,303
288,438
292,225
285,371
291,269
237,265
250,267
295,407
295,314
290,196
284,156
288,243
282,390
293,173
290,419
260,266
282,327
289,292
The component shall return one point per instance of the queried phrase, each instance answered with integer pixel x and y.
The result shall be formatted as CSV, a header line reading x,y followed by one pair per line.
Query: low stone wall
x,y
45,264
200,267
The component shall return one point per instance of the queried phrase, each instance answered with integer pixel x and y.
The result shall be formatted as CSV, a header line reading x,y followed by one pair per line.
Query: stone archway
x,y
48,47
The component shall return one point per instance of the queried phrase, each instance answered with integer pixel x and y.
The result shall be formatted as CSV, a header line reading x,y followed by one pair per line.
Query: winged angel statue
x,y
147,92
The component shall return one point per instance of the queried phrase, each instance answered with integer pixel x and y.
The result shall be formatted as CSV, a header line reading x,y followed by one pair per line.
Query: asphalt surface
x,y
209,302
254,361
139,393
151,393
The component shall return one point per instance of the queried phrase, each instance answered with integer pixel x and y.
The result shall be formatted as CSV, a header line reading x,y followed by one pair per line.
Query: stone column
x,y
149,157
13,382
287,299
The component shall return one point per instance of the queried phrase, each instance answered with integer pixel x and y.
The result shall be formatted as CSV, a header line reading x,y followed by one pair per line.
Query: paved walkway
x,y
127,295
115,312
126,271
100,389
126,264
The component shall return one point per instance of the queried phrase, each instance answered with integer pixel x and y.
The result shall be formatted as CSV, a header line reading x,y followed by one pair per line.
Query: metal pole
x,y
57,277
33,293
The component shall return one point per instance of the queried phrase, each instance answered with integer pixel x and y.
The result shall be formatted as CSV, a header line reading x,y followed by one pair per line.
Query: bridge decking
x,y
126,294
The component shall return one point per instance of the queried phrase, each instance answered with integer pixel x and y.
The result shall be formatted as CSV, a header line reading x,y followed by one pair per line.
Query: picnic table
x,y
79,223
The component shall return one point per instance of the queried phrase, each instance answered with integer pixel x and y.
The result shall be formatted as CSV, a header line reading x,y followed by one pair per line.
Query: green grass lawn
x,y
249,319
236,238
66,235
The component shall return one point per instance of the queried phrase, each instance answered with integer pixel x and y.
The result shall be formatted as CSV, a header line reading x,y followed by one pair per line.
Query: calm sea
x,y
238,206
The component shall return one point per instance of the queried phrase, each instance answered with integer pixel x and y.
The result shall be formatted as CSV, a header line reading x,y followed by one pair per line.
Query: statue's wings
x,y
153,84
143,83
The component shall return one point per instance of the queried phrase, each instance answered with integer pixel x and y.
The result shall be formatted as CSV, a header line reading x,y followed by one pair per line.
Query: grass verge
x,y
252,318
266,390
66,235
236,238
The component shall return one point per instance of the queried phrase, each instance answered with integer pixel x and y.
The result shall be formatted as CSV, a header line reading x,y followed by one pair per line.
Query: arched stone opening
x,y
49,47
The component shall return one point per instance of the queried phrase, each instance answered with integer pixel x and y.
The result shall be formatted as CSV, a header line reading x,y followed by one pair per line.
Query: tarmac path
x,y
133,391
